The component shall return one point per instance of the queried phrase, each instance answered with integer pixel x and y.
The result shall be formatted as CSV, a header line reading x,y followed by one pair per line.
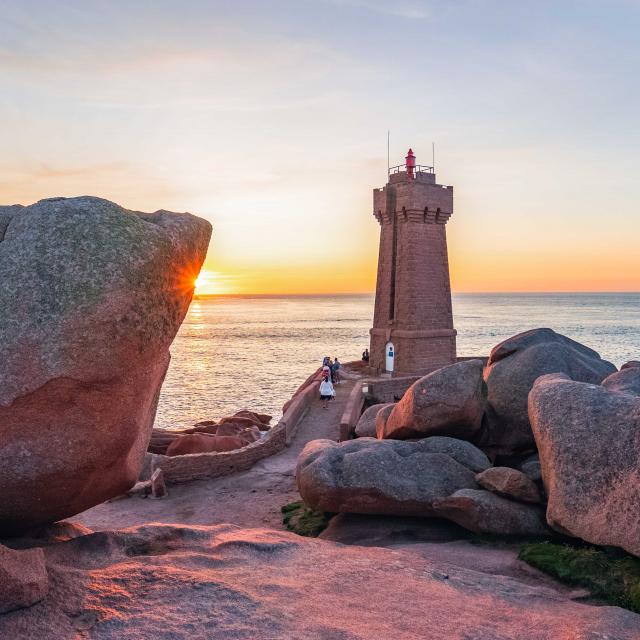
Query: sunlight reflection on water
x,y
254,352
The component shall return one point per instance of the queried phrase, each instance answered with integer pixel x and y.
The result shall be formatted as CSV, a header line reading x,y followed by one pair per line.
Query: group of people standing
x,y
330,376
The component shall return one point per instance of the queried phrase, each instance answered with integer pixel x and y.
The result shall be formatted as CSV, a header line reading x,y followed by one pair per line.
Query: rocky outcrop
x,y
181,582
447,402
244,423
366,425
92,296
509,483
206,443
249,419
513,367
385,476
588,438
161,439
485,512
626,380
631,364
23,579
247,433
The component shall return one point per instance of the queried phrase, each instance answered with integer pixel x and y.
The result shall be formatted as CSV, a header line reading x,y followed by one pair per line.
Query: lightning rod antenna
x,y
433,156
388,157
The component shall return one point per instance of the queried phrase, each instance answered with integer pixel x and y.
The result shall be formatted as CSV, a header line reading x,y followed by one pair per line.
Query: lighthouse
x,y
412,330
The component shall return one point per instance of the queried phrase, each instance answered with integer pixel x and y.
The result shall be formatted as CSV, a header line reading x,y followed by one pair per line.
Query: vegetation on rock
x,y
303,521
610,574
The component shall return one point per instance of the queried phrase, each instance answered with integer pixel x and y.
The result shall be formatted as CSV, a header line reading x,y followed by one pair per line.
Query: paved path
x,y
251,498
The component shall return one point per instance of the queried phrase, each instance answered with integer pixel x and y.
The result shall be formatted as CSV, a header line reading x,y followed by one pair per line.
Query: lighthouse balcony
x,y
421,173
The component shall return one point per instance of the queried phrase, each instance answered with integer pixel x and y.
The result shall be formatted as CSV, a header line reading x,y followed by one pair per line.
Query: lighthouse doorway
x,y
390,354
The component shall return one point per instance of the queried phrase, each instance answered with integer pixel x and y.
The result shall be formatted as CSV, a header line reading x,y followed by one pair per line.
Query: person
x,y
330,365
326,391
325,361
326,370
336,370
365,355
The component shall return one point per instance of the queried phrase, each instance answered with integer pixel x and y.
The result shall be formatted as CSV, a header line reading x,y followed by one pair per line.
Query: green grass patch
x,y
305,522
610,574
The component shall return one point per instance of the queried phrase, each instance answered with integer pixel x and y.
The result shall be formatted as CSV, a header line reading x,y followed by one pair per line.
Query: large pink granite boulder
x,y
589,443
447,402
513,367
92,296
386,477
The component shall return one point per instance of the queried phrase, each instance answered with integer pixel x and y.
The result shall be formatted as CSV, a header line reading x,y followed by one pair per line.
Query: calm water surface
x,y
254,352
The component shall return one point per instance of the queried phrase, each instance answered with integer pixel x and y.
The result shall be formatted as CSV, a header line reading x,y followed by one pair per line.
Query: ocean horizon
x,y
254,350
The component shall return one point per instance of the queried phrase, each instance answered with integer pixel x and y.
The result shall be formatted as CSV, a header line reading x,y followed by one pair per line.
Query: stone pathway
x,y
250,498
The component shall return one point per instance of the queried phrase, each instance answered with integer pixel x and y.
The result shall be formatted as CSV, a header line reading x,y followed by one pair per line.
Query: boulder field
x,y
222,582
488,405
562,422
92,296
208,436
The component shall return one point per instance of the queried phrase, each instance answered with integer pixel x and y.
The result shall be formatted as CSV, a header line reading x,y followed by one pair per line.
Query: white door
x,y
390,354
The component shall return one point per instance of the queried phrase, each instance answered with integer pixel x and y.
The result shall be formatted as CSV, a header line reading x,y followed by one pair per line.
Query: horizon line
x,y
372,293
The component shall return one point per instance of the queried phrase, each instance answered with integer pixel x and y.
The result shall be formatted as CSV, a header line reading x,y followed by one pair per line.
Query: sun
x,y
213,283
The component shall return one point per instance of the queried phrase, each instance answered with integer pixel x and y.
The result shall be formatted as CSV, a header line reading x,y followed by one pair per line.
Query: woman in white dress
x,y
326,391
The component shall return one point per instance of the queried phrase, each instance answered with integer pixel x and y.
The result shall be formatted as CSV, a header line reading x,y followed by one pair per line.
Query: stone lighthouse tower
x,y
413,324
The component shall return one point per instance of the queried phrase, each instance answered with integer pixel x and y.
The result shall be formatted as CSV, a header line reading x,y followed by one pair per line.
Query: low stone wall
x,y
388,389
352,411
200,466
298,407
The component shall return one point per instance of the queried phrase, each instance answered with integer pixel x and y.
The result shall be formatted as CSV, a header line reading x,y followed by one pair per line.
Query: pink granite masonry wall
x,y
413,291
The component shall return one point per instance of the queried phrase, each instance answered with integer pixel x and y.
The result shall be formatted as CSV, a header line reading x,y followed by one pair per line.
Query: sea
x,y
253,352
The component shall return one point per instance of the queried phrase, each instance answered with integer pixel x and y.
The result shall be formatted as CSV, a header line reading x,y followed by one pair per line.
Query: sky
x,y
270,119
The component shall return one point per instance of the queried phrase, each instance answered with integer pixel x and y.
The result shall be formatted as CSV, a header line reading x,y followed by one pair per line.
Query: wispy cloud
x,y
404,9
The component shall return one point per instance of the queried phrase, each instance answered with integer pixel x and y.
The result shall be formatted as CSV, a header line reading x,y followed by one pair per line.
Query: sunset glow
x,y
276,130
213,283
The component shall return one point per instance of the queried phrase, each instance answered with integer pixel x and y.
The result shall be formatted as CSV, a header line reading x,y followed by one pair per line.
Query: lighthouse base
x,y
405,352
